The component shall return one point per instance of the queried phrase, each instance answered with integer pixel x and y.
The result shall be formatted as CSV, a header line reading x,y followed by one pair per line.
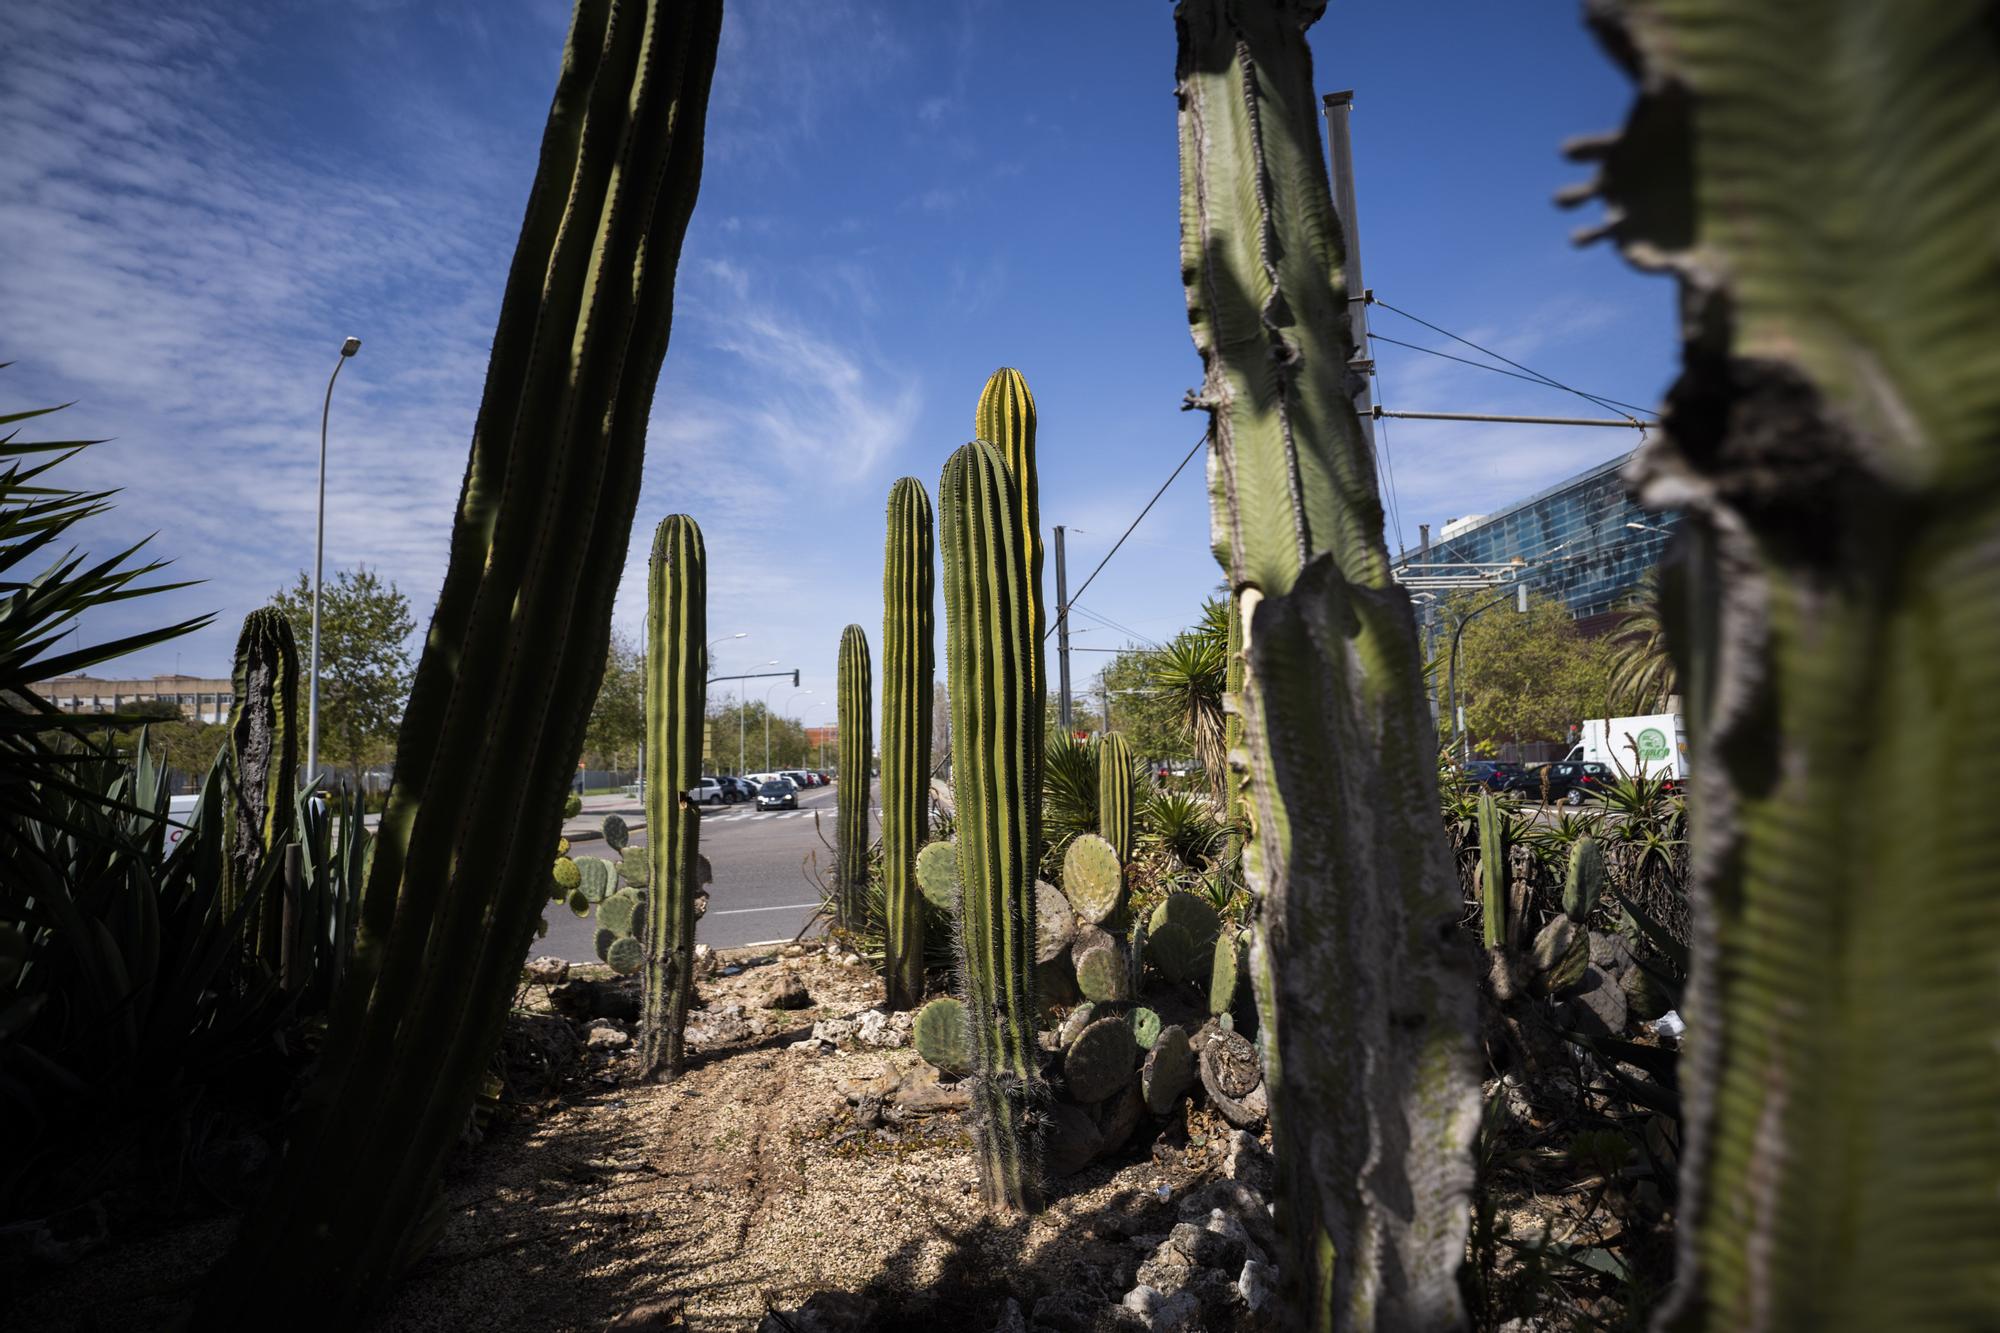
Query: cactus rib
x,y
908,665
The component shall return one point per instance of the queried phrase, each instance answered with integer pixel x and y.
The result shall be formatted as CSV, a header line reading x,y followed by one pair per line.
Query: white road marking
x,y
740,911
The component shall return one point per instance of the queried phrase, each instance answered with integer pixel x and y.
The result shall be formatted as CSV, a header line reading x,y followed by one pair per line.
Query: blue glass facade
x,y
1599,559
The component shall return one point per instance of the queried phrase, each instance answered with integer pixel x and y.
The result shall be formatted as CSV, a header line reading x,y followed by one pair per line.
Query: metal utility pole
x,y
1062,632
1338,108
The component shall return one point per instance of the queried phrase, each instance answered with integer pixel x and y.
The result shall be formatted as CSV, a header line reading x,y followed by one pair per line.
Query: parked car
x,y
1498,776
707,792
738,789
826,779
778,794
797,778
1571,782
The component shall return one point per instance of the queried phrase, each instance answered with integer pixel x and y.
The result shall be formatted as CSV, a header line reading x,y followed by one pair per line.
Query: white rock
x,y
872,1027
705,966
1258,1285
1178,1313
607,1039
850,960
546,972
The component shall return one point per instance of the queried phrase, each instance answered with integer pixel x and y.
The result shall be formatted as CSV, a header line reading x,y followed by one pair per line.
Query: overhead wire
x,y
1610,405
1481,365
1179,468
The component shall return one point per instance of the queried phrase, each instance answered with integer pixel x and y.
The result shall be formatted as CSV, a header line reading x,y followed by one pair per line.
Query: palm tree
x,y
1642,671
1190,674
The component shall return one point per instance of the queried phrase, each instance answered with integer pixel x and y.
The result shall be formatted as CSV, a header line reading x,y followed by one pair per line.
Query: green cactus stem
x,y
597,878
1145,1025
1831,443
516,647
1585,883
1226,977
1102,974
909,656
857,749
1492,872
1005,419
1114,794
1367,1024
1093,878
992,642
263,770
676,708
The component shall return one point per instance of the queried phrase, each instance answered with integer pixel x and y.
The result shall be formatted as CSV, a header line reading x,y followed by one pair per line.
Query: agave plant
x,y
1184,825
45,586
1069,793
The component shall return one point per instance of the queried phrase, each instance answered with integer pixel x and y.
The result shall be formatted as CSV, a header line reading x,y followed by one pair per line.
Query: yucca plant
x,y
1069,794
1831,442
1642,671
1185,826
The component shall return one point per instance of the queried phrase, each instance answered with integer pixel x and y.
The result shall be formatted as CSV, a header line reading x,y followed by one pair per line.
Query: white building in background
x,y
199,698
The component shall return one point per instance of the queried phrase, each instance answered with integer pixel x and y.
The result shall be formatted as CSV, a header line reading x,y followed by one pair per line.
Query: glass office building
x,y
1575,537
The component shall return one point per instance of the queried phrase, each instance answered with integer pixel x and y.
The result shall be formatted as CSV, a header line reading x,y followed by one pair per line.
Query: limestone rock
x,y
872,1027
546,972
1258,1285
604,1037
781,990
1161,1313
706,965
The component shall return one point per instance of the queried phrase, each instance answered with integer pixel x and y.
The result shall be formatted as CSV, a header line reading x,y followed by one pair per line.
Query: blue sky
x,y
200,201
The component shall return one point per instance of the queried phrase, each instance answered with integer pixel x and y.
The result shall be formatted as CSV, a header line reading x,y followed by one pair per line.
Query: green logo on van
x,y
1652,745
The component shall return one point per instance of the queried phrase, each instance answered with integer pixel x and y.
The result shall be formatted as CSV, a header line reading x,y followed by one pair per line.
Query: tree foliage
x,y
731,723
1642,672
364,660
618,715
1524,677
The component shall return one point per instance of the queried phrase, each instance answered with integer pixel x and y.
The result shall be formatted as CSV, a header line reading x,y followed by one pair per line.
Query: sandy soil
x,y
743,1186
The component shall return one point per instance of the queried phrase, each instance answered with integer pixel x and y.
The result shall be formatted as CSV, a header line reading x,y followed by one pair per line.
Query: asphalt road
x,y
760,894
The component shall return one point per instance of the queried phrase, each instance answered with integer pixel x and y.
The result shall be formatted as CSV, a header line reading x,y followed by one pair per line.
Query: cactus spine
x,y
857,752
1366,1022
1114,794
263,769
515,650
908,665
1832,443
1492,873
676,707
991,641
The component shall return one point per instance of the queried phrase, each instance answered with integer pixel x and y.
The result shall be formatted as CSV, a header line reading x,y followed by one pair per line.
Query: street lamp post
x,y
347,349
1520,598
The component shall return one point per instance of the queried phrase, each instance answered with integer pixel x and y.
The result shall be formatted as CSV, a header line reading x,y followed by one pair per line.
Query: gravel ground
x,y
744,1186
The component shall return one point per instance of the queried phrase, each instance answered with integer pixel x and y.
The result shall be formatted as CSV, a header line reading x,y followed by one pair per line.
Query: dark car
x,y
735,790
1497,776
1572,783
778,794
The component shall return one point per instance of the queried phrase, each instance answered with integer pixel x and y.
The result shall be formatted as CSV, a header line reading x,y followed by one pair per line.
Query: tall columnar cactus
x,y
996,715
1114,794
857,753
1824,183
1366,1013
1492,872
516,648
909,661
676,707
1006,419
263,768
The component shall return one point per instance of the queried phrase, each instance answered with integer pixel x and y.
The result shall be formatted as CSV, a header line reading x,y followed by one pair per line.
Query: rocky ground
x,y
808,1172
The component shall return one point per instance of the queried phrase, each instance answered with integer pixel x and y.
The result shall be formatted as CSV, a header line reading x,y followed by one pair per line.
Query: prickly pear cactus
x,y
616,833
1055,924
625,955
597,878
940,1037
1093,878
937,875
1101,974
1145,1025
1180,939
635,868
572,806
1368,1023
1225,979
1169,1071
1099,1063
566,874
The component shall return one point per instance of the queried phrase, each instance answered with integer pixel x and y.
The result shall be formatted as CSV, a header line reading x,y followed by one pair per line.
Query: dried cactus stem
x,y
996,717
263,770
908,664
676,699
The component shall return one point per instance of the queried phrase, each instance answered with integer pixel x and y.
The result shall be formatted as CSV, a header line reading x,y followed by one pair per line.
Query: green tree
x,y
788,739
1524,677
364,660
618,714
